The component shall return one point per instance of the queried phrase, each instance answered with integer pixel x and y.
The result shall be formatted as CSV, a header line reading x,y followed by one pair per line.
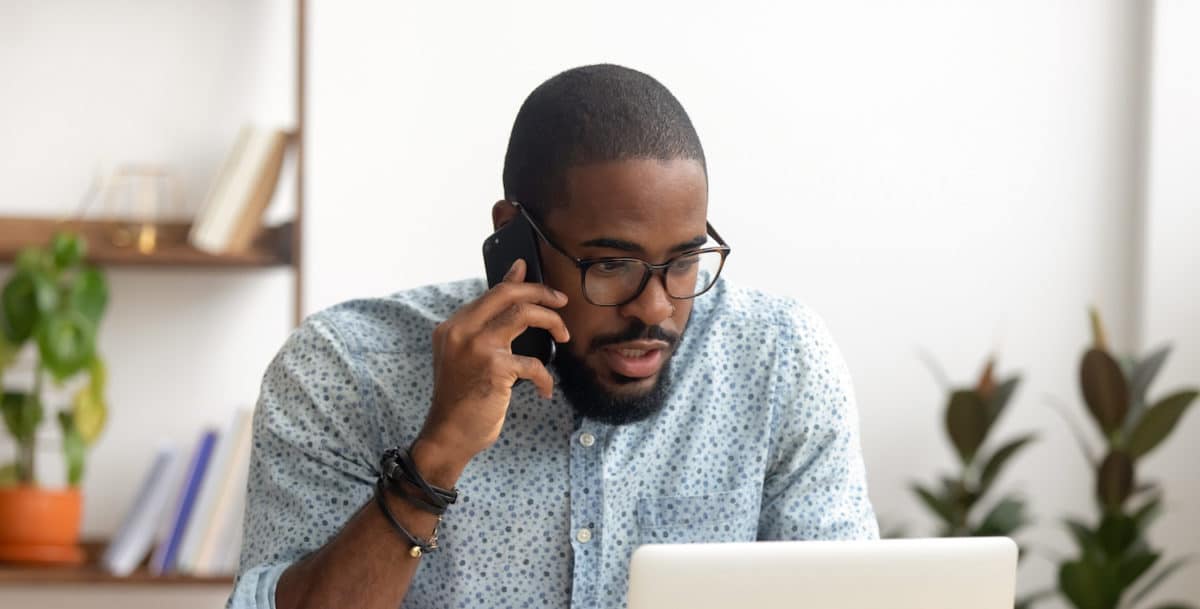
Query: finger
x,y
511,322
533,370
516,272
506,294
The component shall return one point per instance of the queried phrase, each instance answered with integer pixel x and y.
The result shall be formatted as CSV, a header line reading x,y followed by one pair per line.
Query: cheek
x,y
683,310
585,322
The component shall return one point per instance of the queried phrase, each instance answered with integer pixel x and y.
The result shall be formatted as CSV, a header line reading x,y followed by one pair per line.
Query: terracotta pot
x,y
40,525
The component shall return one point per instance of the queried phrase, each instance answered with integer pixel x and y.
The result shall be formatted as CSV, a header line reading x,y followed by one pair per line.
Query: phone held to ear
x,y
514,240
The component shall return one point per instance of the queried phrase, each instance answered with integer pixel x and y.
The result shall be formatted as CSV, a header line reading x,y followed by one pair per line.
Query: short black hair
x,y
592,114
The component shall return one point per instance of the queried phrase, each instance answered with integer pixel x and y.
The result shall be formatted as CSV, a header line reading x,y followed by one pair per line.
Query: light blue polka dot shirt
x,y
758,440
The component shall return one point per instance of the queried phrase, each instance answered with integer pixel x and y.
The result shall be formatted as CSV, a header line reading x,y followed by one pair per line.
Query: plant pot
x,y
39,525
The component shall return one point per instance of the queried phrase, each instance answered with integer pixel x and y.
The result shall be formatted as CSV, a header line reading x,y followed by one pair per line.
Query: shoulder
x,y
403,321
785,319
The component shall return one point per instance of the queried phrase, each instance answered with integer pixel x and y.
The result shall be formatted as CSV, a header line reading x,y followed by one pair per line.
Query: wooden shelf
x,y
272,248
91,573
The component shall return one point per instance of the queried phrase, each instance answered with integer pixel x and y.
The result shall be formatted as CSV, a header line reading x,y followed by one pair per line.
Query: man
x,y
678,408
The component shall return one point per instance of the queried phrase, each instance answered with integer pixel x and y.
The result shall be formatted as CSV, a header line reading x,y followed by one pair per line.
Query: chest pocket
x,y
718,517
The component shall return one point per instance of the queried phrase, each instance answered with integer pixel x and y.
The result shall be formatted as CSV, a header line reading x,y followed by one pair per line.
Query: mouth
x,y
637,359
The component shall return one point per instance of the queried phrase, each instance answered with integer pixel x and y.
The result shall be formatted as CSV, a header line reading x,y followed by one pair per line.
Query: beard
x,y
589,398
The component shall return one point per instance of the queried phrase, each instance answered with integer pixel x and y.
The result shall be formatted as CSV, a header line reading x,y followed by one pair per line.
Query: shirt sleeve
x,y
312,462
815,487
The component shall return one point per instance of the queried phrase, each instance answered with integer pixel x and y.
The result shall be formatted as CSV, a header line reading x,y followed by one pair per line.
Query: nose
x,y
653,306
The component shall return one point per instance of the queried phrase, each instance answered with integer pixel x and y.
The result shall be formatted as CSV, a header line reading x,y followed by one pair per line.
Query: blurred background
x,y
952,178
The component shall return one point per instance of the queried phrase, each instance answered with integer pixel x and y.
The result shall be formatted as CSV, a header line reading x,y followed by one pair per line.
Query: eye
x,y
611,267
685,264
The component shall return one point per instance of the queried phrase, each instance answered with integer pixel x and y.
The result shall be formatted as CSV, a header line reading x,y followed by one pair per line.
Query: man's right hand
x,y
474,370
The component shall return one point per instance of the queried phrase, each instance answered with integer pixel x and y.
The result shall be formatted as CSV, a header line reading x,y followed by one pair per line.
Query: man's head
x,y
606,160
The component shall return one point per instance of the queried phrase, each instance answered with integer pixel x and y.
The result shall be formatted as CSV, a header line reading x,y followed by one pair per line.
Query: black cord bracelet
x,y
396,467
418,547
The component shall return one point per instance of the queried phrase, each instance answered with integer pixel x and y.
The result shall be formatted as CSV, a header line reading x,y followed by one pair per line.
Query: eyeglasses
x,y
613,282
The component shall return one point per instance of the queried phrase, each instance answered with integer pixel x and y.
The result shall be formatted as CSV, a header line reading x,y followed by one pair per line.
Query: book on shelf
x,y
167,553
221,544
187,514
212,486
232,213
137,533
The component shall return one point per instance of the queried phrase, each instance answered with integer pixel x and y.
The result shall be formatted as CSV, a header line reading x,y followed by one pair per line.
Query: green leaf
x,y
996,462
22,415
1115,481
67,249
98,372
1006,517
1158,422
89,412
1148,513
1157,579
8,351
34,260
1134,566
966,422
1104,389
19,301
1143,374
1086,586
73,448
66,342
1000,397
943,508
1086,539
89,294
1117,533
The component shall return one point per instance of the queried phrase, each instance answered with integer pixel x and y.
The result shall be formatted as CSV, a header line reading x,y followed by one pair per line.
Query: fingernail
x,y
512,269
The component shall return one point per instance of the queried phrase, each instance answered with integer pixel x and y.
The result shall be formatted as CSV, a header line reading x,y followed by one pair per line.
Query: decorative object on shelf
x,y
52,303
1115,565
138,198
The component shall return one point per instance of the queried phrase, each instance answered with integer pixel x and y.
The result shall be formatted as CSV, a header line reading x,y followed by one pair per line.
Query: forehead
x,y
650,202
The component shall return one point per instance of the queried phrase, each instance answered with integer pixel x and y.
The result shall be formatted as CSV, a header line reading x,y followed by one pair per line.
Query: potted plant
x,y
50,308
1115,566
970,417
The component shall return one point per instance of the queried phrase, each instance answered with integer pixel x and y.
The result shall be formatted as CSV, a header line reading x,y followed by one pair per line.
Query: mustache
x,y
636,330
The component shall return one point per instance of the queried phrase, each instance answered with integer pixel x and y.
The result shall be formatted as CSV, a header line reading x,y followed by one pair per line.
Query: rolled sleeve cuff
x,y
255,588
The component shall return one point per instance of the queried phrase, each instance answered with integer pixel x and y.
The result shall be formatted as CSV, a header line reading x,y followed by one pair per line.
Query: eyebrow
x,y
629,246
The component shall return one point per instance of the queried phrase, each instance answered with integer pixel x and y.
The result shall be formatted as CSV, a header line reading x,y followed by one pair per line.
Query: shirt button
x,y
587,440
584,535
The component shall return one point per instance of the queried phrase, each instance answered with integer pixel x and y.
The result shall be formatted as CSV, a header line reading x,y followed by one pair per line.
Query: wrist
x,y
438,465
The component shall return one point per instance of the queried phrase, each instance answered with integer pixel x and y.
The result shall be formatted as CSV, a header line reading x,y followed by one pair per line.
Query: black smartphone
x,y
514,240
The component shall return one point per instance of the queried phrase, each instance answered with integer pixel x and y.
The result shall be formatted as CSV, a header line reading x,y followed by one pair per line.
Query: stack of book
x,y
232,213
187,515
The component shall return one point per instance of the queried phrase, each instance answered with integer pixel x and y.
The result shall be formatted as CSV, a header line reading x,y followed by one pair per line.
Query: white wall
x,y
1171,286
938,175
949,176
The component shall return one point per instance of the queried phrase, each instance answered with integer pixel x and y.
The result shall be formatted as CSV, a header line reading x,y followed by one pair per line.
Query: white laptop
x,y
959,573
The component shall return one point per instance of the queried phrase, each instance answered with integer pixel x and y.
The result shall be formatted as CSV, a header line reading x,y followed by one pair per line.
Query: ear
x,y
502,212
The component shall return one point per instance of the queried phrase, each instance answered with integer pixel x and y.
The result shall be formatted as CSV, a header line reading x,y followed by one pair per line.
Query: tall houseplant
x,y
970,416
51,304
1115,567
